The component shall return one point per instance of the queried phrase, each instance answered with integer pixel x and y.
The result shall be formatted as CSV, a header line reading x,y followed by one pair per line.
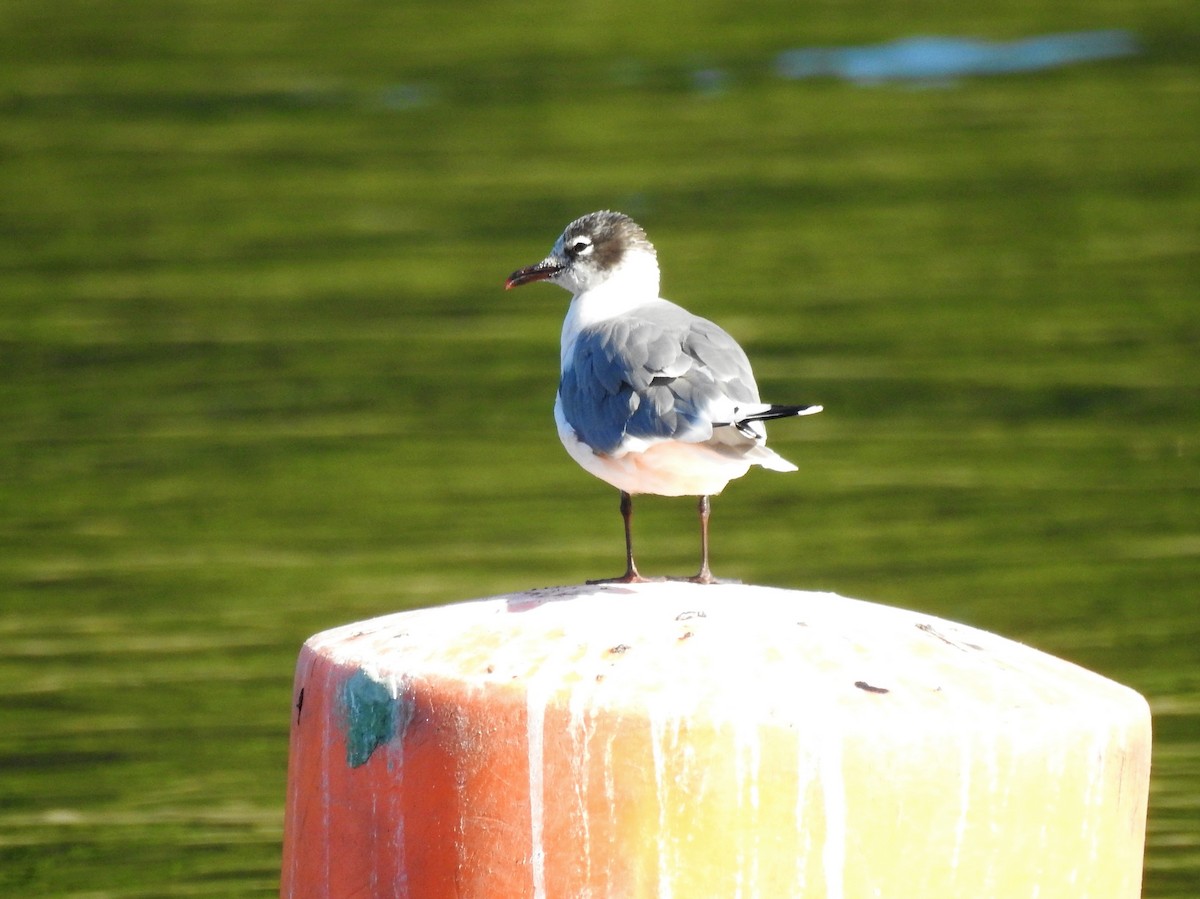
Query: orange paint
x,y
672,740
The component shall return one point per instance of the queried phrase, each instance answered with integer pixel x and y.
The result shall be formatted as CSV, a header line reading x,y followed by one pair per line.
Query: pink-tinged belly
x,y
670,468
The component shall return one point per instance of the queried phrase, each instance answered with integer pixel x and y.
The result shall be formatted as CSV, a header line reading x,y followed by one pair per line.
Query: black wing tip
x,y
743,424
785,412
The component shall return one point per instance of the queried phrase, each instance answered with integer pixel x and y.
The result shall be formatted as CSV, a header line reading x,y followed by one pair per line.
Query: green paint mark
x,y
371,716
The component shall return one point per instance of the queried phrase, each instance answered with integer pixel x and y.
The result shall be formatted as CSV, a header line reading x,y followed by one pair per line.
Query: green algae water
x,y
259,377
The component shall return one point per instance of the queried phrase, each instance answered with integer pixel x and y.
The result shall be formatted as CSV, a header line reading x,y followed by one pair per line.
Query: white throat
x,y
632,283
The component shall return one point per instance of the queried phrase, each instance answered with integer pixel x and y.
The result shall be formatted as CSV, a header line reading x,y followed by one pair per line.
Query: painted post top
x,y
670,739
725,651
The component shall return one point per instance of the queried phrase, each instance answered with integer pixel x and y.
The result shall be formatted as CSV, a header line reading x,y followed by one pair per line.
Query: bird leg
x,y
704,575
631,575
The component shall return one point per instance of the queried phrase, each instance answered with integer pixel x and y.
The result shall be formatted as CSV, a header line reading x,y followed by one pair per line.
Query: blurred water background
x,y
258,376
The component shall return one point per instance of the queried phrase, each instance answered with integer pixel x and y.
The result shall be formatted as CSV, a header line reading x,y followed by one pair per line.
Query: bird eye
x,y
580,245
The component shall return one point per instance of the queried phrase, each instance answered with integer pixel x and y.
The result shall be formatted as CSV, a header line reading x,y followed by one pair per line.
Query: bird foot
x,y
629,577
705,577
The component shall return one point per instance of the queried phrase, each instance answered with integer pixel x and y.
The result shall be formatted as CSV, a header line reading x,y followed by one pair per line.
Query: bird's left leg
x,y
704,575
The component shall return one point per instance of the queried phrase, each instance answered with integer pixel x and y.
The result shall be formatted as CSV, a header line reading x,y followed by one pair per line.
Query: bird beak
x,y
541,271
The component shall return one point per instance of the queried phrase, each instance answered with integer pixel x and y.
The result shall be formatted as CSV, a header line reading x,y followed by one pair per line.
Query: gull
x,y
651,399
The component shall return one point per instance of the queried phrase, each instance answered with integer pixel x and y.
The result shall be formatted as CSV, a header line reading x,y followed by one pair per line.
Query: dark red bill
x,y
538,272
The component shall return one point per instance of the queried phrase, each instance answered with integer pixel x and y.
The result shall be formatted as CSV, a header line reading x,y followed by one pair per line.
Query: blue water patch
x,y
931,58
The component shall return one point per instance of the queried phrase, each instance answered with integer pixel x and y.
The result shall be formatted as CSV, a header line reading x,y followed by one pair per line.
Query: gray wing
x,y
657,372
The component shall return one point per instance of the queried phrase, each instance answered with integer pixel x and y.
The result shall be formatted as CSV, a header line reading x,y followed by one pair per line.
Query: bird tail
x,y
745,426
780,412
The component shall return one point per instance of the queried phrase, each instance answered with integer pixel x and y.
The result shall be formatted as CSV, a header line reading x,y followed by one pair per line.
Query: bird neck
x,y
633,283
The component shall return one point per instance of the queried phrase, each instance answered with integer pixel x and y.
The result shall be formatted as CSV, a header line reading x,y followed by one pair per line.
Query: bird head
x,y
594,249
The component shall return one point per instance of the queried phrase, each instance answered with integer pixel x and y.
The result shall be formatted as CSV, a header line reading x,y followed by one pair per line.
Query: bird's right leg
x,y
631,575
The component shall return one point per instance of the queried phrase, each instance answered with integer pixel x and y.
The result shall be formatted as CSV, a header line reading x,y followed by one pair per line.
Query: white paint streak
x,y
660,729
740,778
582,731
1104,745
396,816
747,760
965,746
375,825
803,832
334,677
610,795
833,793
535,724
